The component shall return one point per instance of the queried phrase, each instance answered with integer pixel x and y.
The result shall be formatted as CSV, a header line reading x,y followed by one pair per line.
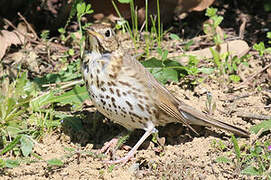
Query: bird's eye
x,y
107,33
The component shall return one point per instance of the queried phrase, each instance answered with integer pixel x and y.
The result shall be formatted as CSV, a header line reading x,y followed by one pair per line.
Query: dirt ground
x,y
184,155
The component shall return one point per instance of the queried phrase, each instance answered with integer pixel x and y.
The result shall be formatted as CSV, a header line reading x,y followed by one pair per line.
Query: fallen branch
x,y
29,26
253,76
253,116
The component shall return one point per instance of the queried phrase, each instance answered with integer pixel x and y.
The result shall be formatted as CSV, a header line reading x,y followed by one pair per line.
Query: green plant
x,y
27,114
27,109
253,158
154,36
17,132
165,70
124,24
45,35
210,28
227,65
260,47
82,10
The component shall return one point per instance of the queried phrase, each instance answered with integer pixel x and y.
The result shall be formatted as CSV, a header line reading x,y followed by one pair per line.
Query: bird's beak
x,y
92,38
95,34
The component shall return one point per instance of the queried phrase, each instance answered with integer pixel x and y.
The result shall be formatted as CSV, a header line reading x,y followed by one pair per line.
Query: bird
x,y
124,91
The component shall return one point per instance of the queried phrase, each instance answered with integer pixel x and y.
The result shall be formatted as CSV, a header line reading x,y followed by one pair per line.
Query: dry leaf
x,y
8,38
269,73
104,9
203,4
236,48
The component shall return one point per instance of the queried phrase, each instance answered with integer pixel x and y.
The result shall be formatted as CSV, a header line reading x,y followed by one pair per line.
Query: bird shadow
x,y
87,127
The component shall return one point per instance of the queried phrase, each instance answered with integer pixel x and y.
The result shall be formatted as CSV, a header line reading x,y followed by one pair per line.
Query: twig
x,y
253,116
242,28
52,45
18,31
64,84
70,84
28,25
253,76
239,97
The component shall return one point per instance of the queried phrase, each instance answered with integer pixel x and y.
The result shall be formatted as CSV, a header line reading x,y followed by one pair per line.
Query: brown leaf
x,y
104,9
203,4
269,73
236,48
8,38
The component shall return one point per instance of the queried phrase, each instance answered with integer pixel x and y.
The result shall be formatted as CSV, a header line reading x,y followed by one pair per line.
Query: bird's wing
x,y
161,96
174,107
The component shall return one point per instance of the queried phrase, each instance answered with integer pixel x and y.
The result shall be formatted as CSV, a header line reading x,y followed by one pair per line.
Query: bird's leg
x,y
131,153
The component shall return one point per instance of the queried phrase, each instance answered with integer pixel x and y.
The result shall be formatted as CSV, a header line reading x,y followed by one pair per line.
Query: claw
x,y
109,146
132,152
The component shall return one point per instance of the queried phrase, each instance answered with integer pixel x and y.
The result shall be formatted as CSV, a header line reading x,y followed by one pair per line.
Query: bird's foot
x,y
109,146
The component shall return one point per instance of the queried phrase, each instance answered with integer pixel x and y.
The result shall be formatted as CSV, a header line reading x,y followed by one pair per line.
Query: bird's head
x,y
101,38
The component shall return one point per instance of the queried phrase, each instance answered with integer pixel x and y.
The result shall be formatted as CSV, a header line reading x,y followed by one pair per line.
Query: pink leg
x,y
133,150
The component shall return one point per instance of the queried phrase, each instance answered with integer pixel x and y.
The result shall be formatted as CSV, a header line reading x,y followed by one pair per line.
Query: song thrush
x,y
125,92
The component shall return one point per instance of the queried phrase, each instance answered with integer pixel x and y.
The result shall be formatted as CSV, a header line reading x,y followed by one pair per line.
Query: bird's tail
x,y
195,117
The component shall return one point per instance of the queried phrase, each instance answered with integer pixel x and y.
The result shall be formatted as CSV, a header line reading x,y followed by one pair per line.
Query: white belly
x,y
123,104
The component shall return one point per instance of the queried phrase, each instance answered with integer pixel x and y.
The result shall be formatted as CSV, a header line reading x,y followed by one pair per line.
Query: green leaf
x,y
250,170
71,52
11,145
55,162
245,64
206,70
265,125
235,67
165,70
164,55
222,159
26,145
61,30
234,78
124,1
69,149
216,57
211,12
188,44
38,103
11,163
236,147
260,48
2,163
152,63
76,96
111,168
217,20
67,74
174,36
268,50
170,74
81,7
13,129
